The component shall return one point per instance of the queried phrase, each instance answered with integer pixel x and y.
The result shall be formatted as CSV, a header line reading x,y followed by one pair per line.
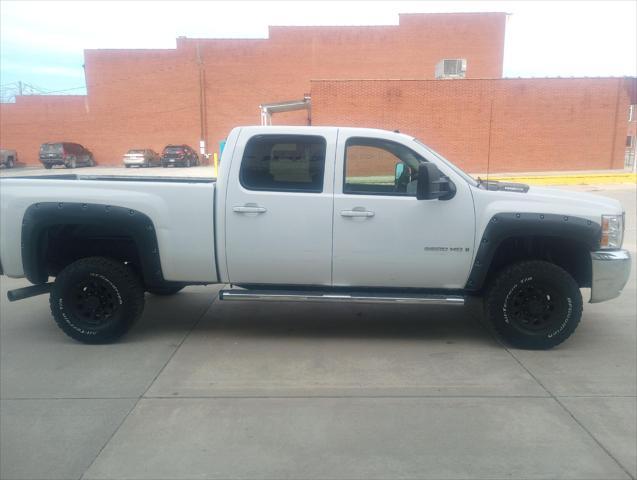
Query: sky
x,y
42,43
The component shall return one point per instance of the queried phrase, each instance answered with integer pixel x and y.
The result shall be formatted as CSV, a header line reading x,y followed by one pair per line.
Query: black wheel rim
x,y
534,308
94,301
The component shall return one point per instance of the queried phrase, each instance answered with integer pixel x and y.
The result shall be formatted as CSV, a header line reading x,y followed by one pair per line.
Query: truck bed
x,y
181,209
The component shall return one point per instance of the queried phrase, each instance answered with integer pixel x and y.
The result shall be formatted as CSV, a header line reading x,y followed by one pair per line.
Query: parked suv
x,y
70,155
8,158
181,155
142,158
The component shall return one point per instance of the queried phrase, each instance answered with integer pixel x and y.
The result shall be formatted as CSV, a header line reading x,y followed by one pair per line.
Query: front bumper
x,y
611,269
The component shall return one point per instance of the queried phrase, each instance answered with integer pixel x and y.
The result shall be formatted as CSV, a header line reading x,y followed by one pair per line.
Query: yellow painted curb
x,y
581,179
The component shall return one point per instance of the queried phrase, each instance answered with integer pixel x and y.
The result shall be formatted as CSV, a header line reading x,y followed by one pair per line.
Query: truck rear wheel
x,y
534,304
96,300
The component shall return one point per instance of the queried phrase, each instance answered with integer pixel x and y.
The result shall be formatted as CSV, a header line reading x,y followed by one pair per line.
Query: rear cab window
x,y
294,163
174,150
47,148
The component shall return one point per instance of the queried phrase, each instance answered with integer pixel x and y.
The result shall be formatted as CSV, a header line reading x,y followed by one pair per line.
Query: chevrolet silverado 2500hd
x,y
314,214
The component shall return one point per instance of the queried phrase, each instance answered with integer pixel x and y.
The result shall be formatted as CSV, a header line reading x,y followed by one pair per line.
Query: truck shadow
x,y
316,321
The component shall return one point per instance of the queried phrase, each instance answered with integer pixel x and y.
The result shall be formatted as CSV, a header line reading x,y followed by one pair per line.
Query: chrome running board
x,y
241,294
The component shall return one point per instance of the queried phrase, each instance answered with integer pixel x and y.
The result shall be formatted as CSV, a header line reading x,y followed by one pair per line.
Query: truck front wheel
x,y
96,300
534,304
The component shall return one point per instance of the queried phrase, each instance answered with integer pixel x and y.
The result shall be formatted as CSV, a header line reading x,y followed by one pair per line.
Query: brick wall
x,y
512,124
149,98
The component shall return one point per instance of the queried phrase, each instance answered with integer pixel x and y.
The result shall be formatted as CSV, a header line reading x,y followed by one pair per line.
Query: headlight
x,y
612,231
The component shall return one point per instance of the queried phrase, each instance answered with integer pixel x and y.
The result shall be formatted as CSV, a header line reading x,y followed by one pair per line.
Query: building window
x,y
293,163
632,113
630,141
451,68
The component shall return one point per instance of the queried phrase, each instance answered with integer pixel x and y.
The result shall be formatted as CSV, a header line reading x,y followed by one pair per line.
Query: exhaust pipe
x,y
26,292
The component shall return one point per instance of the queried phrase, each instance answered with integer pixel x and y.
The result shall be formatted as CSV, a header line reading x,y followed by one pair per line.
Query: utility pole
x,y
202,103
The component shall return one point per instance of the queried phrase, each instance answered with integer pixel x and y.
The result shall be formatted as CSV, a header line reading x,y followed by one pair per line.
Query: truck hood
x,y
540,200
566,199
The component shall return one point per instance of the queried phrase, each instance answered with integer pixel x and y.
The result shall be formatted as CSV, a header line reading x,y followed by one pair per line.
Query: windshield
x,y
51,148
135,152
468,178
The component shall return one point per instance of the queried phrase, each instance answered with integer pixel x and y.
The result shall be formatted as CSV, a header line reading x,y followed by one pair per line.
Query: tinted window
x,y
380,167
284,162
174,150
51,148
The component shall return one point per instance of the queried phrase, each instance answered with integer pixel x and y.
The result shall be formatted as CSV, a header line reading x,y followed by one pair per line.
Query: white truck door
x,y
279,203
383,235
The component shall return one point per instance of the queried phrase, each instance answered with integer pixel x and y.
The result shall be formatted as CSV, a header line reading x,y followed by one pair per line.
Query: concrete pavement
x,y
201,390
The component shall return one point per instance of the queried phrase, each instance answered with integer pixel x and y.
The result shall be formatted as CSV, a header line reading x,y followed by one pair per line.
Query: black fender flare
x,y
41,216
503,226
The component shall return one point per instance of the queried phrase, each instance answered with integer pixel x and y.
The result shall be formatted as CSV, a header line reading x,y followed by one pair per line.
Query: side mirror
x,y
398,171
432,184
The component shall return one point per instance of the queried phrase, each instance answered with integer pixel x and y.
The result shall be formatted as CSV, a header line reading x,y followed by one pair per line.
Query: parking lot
x,y
202,389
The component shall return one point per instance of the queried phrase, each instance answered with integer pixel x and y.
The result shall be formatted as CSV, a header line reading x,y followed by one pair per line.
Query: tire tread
x,y
527,267
129,282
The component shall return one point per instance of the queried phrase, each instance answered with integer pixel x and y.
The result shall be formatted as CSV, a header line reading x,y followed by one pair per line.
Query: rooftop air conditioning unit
x,y
451,68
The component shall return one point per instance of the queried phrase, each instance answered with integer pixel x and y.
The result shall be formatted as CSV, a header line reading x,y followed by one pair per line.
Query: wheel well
x,y
64,244
57,234
571,255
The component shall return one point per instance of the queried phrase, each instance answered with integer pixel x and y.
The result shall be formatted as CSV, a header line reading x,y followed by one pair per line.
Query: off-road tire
x,y
48,166
115,288
533,305
165,291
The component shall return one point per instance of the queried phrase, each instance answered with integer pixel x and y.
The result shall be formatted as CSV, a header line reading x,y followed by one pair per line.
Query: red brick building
x,y
379,76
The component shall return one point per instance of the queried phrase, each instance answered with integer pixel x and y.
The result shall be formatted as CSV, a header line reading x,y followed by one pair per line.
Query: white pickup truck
x,y
314,214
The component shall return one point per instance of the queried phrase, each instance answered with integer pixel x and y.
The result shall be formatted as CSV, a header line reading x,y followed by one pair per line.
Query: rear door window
x,y
294,163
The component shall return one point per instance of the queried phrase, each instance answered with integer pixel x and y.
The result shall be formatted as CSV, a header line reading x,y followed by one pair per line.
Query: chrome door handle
x,y
357,213
249,209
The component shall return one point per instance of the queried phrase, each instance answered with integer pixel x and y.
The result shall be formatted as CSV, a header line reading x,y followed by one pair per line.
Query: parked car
x,y
8,158
179,155
142,157
319,214
69,154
